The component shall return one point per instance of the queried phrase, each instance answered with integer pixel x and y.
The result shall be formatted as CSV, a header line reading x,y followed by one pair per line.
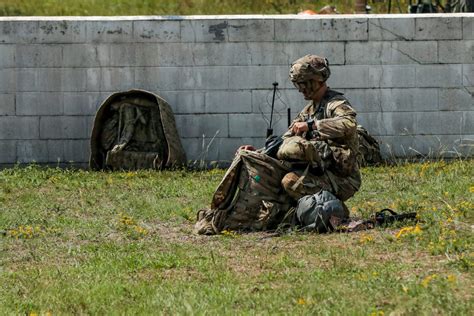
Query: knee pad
x,y
288,183
289,180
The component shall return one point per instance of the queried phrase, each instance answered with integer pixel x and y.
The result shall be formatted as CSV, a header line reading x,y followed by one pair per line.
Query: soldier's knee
x,y
291,149
298,148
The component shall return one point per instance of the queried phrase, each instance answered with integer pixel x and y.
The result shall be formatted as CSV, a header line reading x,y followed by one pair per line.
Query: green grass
x,y
82,242
185,7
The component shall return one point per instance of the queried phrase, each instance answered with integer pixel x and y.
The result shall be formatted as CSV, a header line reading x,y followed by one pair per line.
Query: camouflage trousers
x,y
299,183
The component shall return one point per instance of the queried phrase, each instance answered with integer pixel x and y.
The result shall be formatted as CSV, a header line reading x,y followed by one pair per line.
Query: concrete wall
x,y
410,77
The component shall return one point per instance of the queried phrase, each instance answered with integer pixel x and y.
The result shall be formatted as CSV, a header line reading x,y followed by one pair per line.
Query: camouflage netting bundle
x,y
135,130
249,197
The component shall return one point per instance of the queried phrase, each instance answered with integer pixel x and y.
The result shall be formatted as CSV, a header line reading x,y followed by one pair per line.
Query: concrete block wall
x,y
410,78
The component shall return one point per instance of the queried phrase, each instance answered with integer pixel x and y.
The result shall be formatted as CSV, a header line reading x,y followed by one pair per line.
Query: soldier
x,y
322,142
317,158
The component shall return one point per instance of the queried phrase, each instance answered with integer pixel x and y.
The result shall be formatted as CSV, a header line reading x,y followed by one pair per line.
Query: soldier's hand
x,y
246,147
299,128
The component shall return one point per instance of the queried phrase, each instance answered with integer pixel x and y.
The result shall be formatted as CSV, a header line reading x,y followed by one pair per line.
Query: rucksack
x,y
369,148
315,212
249,197
133,130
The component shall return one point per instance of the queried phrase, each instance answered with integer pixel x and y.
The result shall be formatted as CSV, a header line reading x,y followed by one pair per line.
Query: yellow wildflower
x,y
404,288
371,203
423,168
140,230
126,220
426,281
451,278
471,189
417,229
229,233
301,301
409,230
403,231
362,277
365,238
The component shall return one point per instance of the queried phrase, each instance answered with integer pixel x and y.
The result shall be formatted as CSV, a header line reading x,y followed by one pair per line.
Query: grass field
x,y
82,242
184,7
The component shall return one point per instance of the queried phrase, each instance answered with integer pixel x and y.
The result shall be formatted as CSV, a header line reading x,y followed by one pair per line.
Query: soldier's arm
x,y
290,132
342,122
302,117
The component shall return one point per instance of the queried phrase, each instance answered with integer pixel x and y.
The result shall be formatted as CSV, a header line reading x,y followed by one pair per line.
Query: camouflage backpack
x,y
133,130
369,148
249,197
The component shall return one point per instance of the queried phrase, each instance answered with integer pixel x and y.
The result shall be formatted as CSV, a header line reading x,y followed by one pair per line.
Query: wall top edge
x,y
234,17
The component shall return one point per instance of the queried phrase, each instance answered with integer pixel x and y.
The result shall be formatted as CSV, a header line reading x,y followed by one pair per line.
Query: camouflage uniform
x,y
325,158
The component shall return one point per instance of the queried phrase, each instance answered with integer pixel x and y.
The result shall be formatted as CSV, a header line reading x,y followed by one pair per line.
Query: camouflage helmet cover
x,y
310,67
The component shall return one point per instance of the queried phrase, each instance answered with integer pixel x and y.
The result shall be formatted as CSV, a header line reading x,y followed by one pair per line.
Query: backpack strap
x,y
320,113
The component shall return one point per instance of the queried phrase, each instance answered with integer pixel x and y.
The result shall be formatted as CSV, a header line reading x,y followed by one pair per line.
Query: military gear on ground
x,y
309,67
314,212
388,216
369,148
249,196
382,218
330,151
135,130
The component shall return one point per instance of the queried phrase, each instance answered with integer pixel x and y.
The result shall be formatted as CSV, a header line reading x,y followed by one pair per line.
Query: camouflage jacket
x,y
336,125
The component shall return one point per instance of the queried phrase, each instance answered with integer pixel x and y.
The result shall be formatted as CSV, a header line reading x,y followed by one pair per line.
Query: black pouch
x,y
272,144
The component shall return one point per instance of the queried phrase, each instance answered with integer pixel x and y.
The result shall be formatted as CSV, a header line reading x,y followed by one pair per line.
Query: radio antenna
x,y
270,129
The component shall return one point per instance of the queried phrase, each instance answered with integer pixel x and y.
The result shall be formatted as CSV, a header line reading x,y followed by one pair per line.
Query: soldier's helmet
x,y
310,67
